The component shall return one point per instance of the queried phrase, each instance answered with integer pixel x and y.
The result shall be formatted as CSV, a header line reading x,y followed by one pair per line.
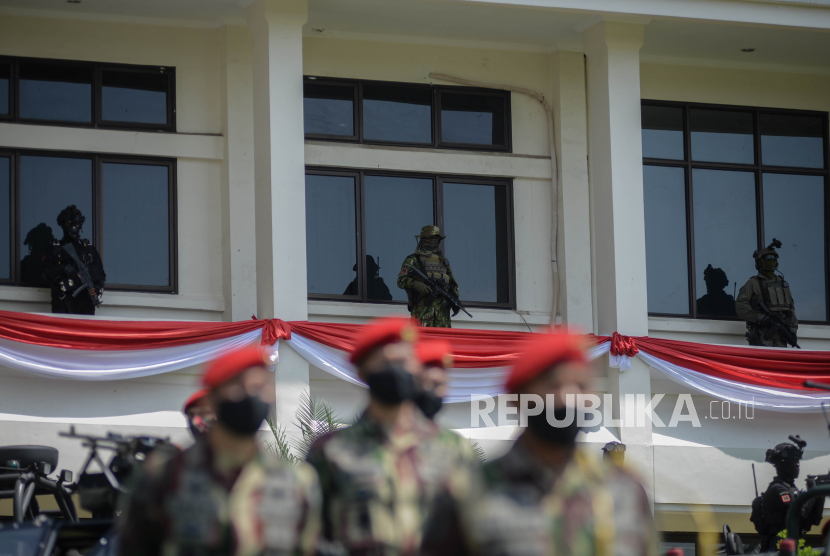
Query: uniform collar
x,y
522,465
402,435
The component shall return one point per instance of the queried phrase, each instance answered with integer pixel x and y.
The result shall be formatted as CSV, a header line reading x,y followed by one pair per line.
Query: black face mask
x,y
243,417
562,436
429,402
392,385
73,232
788,470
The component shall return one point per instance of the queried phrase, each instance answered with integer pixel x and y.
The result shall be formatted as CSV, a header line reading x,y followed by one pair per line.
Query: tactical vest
x,y
435,266
776,294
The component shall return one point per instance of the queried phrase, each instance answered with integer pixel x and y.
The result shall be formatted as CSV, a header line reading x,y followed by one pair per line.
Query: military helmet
x,y
429,231
70,215
785,451
770,249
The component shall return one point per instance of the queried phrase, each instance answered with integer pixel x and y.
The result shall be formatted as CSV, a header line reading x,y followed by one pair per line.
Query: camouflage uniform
x,y
378,483
518,506
776,294
181,506
429,310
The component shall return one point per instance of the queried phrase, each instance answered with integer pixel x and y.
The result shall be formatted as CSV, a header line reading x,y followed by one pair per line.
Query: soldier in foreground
x,y
224,496
766,304
426,307
545,496
379,476
769,511
73,268
199,414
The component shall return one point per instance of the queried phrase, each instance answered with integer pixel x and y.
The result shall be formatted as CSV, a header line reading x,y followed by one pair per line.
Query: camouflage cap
x,y
429,231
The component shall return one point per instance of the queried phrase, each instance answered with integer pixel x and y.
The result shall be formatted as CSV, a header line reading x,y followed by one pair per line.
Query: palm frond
x,y
479,452
314,418
280,447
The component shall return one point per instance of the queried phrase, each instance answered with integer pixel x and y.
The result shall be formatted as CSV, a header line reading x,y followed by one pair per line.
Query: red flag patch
x,y
404,270
785,497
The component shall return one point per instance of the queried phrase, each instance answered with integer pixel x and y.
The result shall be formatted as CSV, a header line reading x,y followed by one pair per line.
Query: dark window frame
x,y
95,220
97,69
437,91
758,169
438,181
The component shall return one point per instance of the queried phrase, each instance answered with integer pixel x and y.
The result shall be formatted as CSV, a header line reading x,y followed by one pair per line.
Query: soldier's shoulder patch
x,y
85,242
404,270
56,242
785,498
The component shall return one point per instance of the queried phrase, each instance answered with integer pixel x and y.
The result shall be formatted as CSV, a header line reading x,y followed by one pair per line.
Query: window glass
x,y
476,244
472,119
662,132
328,109
725,237
331,244
399,114
48,184
135,205
794,214
792,141
667,268
395,211
56,92
5,217
5,80
722,136
131,96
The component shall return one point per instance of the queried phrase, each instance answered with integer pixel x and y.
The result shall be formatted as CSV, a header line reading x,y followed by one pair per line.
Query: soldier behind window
x,y
62,271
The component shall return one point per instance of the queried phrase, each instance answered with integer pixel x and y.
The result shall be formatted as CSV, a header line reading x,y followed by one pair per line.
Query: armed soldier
x,y
766,304
73,268
545,496
379,476
223,496
769,511
429,308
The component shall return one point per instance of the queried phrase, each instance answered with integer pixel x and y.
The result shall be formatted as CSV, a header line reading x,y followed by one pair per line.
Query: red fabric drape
x,y
107,335
472,349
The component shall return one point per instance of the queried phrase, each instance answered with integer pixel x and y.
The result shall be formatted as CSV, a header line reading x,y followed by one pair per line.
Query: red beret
x,y
382,331
544,352
435,352
194,398
227,366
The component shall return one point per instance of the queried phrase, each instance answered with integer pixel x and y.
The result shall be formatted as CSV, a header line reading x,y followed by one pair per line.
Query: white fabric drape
x,y
760,397
79,364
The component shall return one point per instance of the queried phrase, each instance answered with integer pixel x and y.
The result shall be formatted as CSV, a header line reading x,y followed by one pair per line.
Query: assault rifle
x,y
777,324
83,273
441,289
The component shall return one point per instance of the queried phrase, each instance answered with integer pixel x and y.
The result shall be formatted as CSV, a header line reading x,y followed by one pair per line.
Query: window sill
x,y
482,318
23,295
415,159
112,141
670,325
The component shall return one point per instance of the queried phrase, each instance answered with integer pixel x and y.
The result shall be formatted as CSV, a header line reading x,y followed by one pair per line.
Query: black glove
x,y
765,322
420,287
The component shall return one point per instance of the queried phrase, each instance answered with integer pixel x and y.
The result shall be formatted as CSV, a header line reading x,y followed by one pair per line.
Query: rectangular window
x,y
5,216
136,96
87,94
373,218
721,182
55,92
5,89
121,199
407,114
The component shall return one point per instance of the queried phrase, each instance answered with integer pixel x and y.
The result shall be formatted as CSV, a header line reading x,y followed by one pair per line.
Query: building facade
x,y
276,157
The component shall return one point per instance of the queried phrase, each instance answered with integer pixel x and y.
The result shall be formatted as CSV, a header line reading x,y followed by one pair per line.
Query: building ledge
x,y
325,311
725,327
37,297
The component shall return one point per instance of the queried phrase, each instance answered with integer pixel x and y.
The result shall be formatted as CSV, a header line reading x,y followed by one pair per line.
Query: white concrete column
x,y
616,174
238,234
570,118
282,291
